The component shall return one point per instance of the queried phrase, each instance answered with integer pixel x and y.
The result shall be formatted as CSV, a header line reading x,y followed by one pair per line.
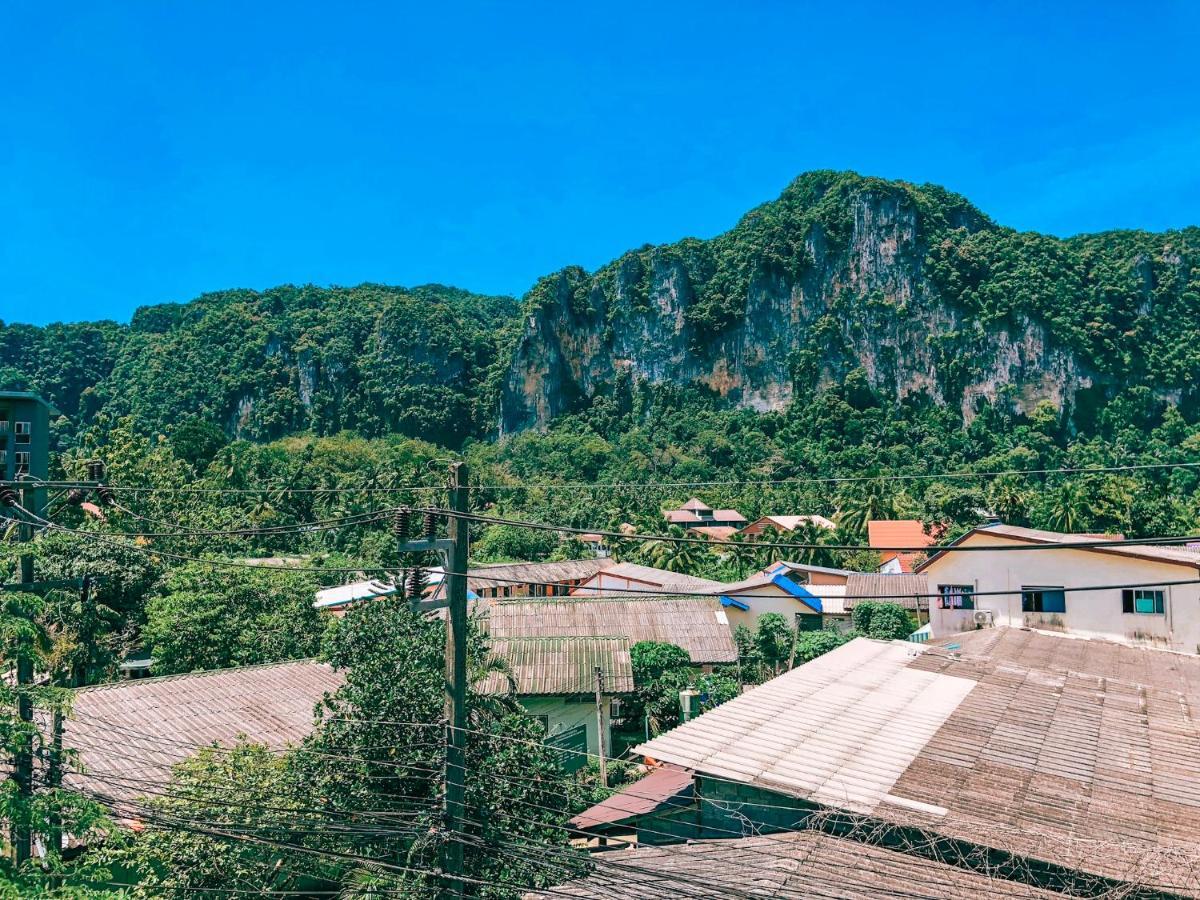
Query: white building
x,y
1138,597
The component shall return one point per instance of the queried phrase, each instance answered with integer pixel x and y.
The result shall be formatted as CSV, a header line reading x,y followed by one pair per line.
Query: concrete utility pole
x,y
456,682
600,742
23,763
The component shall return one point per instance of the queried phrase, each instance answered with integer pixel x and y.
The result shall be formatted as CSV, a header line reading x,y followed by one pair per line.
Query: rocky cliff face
x,y
842,277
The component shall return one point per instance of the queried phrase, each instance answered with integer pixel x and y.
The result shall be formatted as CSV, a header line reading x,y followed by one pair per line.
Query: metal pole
x,y
23,763
600,741
456,685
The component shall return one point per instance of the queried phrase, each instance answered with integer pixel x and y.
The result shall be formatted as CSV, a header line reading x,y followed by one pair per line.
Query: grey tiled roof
x,y
697,625
130,733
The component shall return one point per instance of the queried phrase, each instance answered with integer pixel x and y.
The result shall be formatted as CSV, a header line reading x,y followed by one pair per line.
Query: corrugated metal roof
x,y
794,865
697,625
660,578
349,593
1083,753
664,786
839,730
903,589
129,734
561,665
489,575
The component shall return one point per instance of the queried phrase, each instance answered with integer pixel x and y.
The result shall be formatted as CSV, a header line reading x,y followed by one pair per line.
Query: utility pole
x,y
456,682
22,838
600,741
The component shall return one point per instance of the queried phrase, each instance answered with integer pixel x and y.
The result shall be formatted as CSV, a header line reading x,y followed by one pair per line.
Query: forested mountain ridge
x,y
890,293
897,290
260,365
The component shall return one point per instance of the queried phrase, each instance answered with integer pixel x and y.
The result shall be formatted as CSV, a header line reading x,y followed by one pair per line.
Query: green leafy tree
x,y
773,639
883,621
206,618
356,808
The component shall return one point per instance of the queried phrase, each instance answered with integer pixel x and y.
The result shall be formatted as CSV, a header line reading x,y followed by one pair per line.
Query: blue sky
x,y
150,152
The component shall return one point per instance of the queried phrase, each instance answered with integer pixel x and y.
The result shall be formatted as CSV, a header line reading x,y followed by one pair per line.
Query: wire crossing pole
x,y
456,684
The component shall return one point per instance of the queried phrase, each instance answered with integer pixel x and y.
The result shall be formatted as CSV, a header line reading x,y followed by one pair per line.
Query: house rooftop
x,y
32,396
1171,554
501,575
561,666
129,734
648,578
1081,753
698,625
793,865
904,589
885,533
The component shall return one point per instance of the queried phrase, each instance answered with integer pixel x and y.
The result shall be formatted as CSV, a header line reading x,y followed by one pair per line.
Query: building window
x,y
1043,600
956,596
1148,603
22,431
21,462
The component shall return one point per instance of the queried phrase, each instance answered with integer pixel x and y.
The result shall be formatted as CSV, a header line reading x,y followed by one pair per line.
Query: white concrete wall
x,y
1088,613
564,714
766,599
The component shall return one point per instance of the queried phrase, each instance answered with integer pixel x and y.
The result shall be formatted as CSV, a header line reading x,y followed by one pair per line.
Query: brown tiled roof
x,y
794,865
682,517
489,575
697,625
1082,753
650,577
903,589
728,515
719,532
696,505
561,666
130,733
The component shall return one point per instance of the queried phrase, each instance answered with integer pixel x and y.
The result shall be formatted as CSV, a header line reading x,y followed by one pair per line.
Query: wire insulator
x,y
430,526
95,470
8,497
75,496
416,582
106,494
402,523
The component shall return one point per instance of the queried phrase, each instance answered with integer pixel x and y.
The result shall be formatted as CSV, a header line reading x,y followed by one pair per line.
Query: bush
x,y
883,621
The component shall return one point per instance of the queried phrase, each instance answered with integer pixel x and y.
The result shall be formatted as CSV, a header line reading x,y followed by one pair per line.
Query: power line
x,y
642,485
787,545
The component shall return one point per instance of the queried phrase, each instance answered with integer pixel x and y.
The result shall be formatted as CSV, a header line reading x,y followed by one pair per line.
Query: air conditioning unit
x,y
983,618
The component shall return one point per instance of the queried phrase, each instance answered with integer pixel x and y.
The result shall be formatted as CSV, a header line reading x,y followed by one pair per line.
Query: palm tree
x,y
675,556
1070,508
813,534
869,502
743,556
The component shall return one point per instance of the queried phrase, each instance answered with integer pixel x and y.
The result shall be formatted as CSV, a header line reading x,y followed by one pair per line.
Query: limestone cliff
x,y
910,288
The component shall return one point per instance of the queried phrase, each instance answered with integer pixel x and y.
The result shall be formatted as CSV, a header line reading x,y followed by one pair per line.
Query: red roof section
x,y
663,785
898,533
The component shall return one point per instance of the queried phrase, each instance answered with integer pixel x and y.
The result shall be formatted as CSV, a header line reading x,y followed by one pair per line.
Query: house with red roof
x,y
888,534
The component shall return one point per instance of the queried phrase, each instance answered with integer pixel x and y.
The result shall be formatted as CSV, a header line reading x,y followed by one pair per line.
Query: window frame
x,y
1030,605
964,594
1131,596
